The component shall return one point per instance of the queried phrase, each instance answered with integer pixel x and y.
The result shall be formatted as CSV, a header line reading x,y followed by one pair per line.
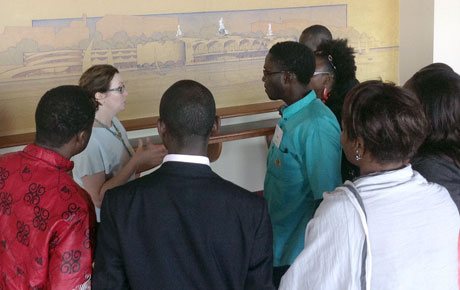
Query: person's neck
x,y
375,167
198,148
104,117
296,95
63,151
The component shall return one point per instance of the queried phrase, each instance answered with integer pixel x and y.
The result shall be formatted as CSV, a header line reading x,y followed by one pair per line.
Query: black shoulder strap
x,y
358,197
364,255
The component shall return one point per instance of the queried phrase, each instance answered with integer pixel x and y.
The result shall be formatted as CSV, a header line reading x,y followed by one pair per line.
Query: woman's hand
x,y
145,157
149,155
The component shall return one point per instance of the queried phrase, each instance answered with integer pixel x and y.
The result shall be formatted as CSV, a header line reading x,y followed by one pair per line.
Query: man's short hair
x,y
314,35
294,57
188,109
389,119
62,113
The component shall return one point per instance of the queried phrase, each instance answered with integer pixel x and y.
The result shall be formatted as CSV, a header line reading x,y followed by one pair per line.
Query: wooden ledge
x,y
227,133
238,132
244,131
223,113
230,132
16,140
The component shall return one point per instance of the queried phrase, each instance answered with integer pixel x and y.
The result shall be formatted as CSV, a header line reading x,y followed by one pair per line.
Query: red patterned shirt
x,y
46,223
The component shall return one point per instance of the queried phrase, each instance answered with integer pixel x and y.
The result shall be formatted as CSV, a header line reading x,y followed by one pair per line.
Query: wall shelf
x,y
227,132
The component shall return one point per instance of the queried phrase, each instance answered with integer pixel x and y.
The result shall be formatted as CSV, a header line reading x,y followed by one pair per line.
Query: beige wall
x,y
428,33
446,42
416,36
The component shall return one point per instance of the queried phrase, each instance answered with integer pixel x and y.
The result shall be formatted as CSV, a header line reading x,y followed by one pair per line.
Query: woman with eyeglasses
x,y
334,77
109,160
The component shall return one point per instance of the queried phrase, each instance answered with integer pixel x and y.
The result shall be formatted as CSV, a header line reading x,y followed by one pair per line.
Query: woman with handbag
x,y
389,228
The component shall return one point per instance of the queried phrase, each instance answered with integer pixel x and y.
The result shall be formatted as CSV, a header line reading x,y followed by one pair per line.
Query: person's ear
x,y
100,97
83,137
161,127
215,126
327,80
330,80
287,77
80,141
360,148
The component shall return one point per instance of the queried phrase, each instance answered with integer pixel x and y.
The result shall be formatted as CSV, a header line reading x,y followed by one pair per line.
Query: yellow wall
x,y
374,23
374,17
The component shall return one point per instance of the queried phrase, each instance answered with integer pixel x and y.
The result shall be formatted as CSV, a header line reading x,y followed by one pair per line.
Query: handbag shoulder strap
x,y
354,190
364,254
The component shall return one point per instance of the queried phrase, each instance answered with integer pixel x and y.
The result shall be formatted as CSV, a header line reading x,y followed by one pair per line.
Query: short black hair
x,y
438,88
188,110
294,57
62,113
314,35
389,119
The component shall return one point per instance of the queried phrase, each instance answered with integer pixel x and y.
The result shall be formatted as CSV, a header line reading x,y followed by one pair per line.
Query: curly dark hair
x,y
340,60
294,57
389,119
438,88
188,109
61,114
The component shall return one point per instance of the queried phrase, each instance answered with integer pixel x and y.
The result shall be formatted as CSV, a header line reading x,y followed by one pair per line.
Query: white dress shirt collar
x,y
187,158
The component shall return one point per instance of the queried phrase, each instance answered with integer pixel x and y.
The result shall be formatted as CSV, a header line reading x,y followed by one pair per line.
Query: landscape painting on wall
x,y
224,50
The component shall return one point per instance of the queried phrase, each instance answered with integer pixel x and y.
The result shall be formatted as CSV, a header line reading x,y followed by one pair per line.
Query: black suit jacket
x,y
183,227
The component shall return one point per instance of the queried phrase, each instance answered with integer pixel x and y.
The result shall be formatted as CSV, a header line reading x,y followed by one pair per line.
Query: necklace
x,y
117,134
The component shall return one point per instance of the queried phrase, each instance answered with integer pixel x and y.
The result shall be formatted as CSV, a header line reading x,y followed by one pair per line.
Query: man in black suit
x,y
183,226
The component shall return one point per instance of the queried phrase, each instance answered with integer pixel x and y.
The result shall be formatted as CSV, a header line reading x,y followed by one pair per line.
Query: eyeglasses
x,y
121,89
317,73
331,61
329,58
269,73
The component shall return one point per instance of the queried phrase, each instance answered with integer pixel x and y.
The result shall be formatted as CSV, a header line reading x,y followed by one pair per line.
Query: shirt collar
x,y
49,156
187,158
394,176
290,110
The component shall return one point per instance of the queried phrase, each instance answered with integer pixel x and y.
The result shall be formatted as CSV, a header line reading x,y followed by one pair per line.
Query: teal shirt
x,y
306,164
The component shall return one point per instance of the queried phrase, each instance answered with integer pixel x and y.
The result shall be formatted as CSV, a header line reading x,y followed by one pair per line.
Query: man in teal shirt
x,y
304,156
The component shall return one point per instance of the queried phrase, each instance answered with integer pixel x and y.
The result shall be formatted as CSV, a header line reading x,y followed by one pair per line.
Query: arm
x,y
109,270
332,255
144,158
260,273
71,252
322,157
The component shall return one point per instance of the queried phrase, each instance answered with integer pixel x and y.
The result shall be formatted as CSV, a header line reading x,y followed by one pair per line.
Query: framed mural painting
x,y
220,44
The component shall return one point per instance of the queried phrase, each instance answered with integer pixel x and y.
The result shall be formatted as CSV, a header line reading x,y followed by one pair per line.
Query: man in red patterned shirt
x,y
46,219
